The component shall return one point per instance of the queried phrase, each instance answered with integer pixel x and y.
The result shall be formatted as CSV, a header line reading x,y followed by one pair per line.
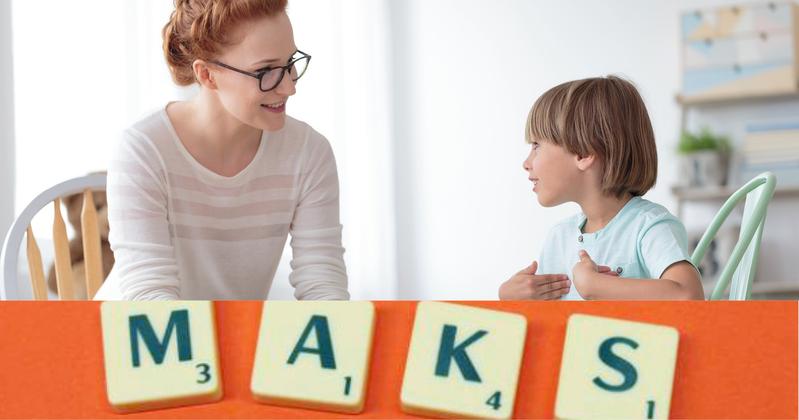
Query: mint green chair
x,y
742,265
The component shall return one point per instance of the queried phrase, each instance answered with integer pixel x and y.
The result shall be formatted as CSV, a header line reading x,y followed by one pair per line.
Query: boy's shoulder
x,y
639,212
649,212
644,216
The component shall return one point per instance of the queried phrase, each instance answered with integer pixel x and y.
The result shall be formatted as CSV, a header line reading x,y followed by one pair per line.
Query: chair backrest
x,y
91,242
740,269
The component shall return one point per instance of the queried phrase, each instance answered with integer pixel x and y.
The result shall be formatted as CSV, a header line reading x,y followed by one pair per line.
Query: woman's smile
x,y
277,107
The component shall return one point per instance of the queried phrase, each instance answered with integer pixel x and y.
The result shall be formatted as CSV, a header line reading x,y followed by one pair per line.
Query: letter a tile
x,y
613,368
160,354
463,361
314,354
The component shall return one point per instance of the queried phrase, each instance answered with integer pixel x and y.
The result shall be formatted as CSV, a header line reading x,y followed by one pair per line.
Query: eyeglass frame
x,y
260,75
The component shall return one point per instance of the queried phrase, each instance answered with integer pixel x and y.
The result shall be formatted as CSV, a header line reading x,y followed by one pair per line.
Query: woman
x,y
202,194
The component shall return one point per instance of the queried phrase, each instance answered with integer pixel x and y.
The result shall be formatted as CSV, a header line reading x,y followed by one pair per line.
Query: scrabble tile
x,y
463,361
160,354
314,354
613,368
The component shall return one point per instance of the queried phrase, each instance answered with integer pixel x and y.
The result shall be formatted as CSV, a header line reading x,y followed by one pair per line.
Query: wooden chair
x,y
91,242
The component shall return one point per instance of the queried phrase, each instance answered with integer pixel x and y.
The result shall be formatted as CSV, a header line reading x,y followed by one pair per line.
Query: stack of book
x,y
771,147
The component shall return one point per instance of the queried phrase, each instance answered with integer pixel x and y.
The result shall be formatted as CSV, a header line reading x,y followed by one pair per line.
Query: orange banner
x,y
736,359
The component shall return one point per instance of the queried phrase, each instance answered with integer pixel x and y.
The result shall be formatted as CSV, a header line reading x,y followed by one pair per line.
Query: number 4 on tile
x,y
463,361
494,400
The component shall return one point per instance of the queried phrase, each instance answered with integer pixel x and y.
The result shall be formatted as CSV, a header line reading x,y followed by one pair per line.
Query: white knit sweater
x,y
181,231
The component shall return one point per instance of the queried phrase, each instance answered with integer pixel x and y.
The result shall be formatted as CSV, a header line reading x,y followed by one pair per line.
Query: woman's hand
x,y
527,285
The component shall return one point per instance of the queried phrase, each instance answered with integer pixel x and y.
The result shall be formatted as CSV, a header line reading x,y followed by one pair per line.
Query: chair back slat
x,y
91,245
741,284
35,267
63,259
739,271
14,238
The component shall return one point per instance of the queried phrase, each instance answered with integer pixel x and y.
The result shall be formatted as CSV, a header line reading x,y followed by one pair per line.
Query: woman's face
x,y
554,173
265,42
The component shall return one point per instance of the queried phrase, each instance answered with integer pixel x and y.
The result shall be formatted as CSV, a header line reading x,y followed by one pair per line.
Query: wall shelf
x,y
688,194
734,100
759,288
764,289
716,193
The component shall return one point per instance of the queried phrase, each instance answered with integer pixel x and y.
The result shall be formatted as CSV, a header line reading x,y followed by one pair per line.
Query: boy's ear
x,y
585,162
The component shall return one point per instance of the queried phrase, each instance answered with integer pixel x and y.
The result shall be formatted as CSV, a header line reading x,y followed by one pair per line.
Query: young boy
x,y
593,144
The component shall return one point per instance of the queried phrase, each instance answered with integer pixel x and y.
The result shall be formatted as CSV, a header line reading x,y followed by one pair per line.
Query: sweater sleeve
x,y
145,263
318,270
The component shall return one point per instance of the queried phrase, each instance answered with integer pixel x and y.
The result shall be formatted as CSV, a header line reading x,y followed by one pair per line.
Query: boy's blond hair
x,y
604,117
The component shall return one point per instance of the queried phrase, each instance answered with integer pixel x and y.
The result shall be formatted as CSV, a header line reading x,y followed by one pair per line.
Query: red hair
x,y
198,29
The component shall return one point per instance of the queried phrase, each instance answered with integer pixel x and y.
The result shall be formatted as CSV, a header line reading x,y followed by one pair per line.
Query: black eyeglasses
x,y
270,77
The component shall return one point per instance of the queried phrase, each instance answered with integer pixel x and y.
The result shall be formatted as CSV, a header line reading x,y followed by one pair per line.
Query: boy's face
x,y
554,173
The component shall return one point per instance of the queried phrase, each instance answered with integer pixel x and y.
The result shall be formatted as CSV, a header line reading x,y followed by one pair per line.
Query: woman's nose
x,y
286,86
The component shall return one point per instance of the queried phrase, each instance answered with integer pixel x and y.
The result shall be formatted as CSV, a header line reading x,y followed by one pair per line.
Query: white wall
x,y
6,121
436,149
111,72
121,75
66,121
468,73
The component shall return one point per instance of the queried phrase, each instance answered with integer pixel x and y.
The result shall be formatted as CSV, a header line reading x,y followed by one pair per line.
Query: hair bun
x,y
197,29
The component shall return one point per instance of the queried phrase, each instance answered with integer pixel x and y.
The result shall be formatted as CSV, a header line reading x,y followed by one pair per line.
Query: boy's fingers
x,y
552,286
548,278
554,294
536,279
603,269
530,269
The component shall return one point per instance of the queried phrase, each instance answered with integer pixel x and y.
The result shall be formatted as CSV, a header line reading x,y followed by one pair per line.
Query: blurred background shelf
x,y
765,290
684,194
775,96
740,81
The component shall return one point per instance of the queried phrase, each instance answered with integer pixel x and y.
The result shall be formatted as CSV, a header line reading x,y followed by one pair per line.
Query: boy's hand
x,y
586,270
527,285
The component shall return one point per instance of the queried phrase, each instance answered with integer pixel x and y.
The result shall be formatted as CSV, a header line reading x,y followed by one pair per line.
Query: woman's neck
x,y
600,209
214,138
216,130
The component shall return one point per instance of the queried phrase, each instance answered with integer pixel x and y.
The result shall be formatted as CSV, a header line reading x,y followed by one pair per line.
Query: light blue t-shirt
x,y
641,241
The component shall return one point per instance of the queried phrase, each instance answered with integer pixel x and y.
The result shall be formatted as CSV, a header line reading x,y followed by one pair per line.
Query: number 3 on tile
x,y
493,400
205,371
